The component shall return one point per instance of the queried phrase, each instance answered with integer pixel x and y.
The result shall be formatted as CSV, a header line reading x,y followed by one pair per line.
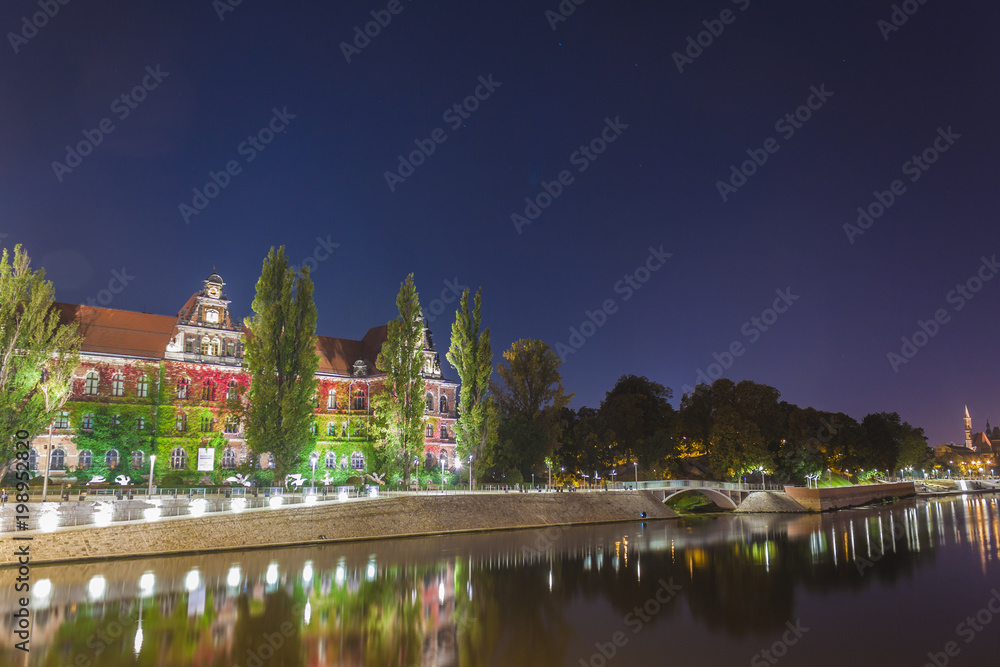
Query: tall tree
x,y
280,354
398,406
37,354
472,356
638,412
530,392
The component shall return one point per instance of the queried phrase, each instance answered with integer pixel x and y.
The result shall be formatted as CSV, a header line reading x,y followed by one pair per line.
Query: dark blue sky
x,y
219,81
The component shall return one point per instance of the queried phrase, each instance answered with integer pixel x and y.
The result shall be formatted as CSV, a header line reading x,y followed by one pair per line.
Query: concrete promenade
x,y
334,521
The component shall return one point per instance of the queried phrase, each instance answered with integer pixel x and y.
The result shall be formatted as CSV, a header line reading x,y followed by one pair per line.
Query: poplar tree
x,y
280,356
398,406
37,354
472,356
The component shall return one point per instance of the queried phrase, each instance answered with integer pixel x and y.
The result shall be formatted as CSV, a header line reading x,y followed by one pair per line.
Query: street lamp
x,y
442,457
635,464
312,460
549,463
152,460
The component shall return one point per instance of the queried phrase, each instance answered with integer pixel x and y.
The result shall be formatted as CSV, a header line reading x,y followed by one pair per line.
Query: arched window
x,y
359,400
90,386
430,402
142,387
206,345
85,459
182,387
231,391
138,460
228,459
208,391
429,461
331,429
216,347
182,421
58,460
88,421
118,385
230,348
444,404
331,399
32,459
111,458
357,461
430,430
179,459
331,460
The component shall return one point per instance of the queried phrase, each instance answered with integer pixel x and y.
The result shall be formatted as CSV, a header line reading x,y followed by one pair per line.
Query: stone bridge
x,y
724,494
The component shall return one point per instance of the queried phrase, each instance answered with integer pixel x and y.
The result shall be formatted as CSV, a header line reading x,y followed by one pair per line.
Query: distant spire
x,y
967,412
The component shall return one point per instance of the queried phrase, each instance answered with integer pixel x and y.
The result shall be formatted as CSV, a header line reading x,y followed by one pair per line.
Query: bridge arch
x,y
719,498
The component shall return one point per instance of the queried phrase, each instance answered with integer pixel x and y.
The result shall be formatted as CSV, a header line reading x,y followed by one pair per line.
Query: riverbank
x,y
407,516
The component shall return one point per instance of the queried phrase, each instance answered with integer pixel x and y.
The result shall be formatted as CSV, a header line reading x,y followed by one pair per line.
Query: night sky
x,y
640,137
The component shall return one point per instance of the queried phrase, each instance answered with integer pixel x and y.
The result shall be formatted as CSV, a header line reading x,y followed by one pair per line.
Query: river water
x,y
908,584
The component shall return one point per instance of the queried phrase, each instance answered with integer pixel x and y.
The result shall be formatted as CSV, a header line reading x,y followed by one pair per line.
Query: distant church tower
x,y
968,428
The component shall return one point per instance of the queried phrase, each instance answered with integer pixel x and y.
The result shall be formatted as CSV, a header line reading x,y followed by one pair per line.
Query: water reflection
x,y
523,598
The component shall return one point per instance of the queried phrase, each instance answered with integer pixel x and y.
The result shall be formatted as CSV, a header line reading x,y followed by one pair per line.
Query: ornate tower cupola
x,y
205,331
432,362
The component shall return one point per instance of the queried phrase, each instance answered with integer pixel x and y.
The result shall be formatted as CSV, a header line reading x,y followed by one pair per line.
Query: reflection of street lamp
x,y
152,460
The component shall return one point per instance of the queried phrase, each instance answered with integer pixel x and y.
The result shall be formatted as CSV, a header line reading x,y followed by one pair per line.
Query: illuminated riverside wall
x,y
334,521
822,500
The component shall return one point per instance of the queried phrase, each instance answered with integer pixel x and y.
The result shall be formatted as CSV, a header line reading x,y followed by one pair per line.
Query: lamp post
x,y
312,460
549,462
152,460
635,464
441,457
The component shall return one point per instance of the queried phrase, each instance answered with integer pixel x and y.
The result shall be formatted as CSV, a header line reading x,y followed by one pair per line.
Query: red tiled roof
x,y
126,333
119,332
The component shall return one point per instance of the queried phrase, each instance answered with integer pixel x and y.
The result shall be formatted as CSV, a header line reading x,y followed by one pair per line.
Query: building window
x,y
140,423
331,399
430,403
331,429
215,349
88,421
313,429
58,460
206,423
230,348
111,458
182,421
190,344
208,391
231,391
430,430
212,316
228,459
444,404
179,459
331,460
343,430
116,420
138,460
444,432
32,459
206,345
142,388
359,400
232,425
85,459
62,421
182,387
118,385
357,461
90,386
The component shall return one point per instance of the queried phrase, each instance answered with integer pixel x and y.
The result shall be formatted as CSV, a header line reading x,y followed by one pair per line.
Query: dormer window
x,y
212,316
360,368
